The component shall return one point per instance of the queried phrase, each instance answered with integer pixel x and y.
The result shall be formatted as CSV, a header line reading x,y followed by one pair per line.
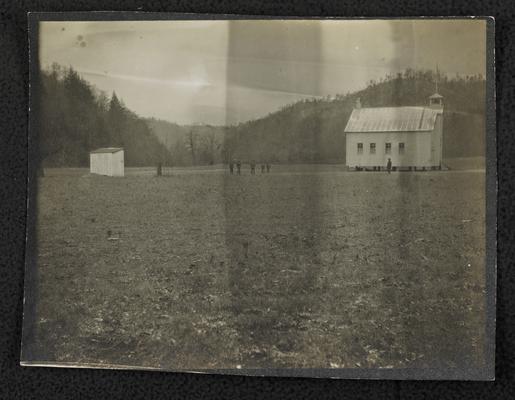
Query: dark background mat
x,y
26,383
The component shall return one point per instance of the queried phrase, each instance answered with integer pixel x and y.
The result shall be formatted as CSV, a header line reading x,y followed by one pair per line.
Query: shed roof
x,y
392,119
107,150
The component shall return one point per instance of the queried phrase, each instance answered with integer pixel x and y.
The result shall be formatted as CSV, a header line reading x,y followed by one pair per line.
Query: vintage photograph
x,y
303,197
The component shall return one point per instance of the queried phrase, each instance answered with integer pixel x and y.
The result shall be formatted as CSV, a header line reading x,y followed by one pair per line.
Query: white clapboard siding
x,y
107,161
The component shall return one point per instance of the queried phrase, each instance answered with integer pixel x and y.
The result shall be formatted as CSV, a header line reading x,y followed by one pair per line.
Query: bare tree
x,y
191,145
212,145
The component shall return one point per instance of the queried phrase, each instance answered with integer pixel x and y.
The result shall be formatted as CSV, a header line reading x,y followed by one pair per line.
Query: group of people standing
x,y
237,163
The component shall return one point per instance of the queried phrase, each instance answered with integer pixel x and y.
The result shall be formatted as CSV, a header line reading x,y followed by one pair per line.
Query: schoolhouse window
x,y
388,148
360,148
401,148
372,148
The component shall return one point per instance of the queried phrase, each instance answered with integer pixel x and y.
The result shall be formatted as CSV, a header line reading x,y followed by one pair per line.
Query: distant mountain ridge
x,y
190,144
312,130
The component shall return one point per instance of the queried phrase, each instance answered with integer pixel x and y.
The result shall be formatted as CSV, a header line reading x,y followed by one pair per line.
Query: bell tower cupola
x,y
436,101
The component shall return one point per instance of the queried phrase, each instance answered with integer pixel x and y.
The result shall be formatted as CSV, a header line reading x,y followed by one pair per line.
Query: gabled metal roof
x,y
392,119
107,150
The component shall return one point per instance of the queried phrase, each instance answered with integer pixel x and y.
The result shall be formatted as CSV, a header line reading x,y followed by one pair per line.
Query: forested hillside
x,y
312,130
75,118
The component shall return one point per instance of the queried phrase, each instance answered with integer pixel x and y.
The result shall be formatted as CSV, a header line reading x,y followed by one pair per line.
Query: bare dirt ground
x,y
308,266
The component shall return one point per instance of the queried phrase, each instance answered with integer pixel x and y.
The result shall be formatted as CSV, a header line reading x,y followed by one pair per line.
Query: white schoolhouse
x,y
410,136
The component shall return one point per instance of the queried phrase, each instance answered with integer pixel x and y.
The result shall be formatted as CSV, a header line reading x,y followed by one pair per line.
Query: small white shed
x,y
107,161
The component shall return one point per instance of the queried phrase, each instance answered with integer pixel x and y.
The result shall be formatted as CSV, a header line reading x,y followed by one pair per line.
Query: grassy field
x,y
308,266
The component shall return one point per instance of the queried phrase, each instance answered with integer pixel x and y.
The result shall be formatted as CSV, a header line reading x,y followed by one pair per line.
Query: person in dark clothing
x,y
267,167
389,165
231,166
253,167
262,168
238,166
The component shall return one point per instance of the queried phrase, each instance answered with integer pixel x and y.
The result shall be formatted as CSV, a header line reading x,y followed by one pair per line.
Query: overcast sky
x,y
220,72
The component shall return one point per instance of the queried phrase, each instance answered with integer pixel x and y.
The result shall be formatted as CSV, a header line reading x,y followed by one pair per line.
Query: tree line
x,y
75,118
190,144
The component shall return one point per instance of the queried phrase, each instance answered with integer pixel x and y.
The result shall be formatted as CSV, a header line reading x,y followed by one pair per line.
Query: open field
x,y
308,266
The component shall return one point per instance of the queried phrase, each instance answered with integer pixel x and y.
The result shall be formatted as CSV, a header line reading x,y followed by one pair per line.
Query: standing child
x,y
389,165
